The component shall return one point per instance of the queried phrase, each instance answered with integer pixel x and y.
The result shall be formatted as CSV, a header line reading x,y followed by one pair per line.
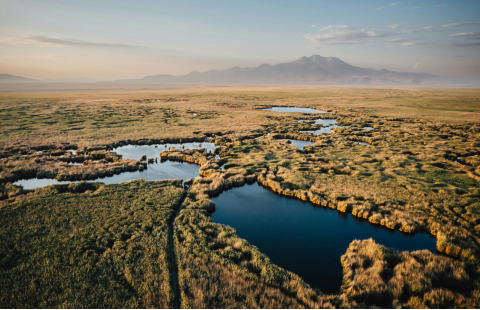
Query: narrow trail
x,y
172,256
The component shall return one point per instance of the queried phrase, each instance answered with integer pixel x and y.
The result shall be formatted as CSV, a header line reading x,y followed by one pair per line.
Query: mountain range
x,y
8,78
306,70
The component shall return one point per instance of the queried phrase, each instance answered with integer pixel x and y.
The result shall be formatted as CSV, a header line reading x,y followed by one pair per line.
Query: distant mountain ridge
x,y
306,70
8,78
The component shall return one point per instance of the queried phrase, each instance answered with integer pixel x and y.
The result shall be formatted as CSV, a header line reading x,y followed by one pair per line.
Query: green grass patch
x,y
89,245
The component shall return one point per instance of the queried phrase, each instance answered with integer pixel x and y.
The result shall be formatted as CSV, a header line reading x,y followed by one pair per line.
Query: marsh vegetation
x,y
418,174
89,245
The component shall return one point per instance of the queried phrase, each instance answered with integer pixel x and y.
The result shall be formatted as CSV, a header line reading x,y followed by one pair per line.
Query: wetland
x,y
328,197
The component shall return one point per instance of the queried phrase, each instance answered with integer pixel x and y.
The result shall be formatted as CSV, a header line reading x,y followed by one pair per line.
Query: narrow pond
x,y
303,238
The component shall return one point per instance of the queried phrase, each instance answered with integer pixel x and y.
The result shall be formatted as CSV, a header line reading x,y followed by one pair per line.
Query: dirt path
x,y
172,257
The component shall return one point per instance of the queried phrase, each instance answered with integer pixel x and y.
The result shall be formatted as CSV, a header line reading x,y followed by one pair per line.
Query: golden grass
x,y
34,118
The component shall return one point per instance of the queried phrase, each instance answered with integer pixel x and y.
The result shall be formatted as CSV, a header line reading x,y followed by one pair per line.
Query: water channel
x,y
155,172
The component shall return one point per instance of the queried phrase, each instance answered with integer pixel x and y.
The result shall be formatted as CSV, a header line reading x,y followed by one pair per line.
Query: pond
x,y
303,238
328,123
300,144
155,172
294,109
323,121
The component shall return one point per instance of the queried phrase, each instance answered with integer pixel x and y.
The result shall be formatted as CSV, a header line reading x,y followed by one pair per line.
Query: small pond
x,y
328,123
294,109
323,121
303,238
300,144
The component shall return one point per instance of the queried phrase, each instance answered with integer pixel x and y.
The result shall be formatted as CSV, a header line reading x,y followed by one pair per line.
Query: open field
x,y
74,116
419,172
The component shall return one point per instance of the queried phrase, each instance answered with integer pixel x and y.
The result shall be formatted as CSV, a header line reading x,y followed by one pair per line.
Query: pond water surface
x,y
155,172
328,123
303,238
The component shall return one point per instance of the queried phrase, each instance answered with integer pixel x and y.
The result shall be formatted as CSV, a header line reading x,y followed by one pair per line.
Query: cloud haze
x,y
60,42
115,39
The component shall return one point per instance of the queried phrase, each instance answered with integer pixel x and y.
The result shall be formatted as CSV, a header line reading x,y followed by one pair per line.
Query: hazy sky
x,y
114,39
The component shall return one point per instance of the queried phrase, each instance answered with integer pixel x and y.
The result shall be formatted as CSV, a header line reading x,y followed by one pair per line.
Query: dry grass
x,y
377,276
33,118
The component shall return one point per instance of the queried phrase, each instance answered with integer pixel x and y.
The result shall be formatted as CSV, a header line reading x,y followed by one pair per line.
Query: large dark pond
x,y
294,109
303,238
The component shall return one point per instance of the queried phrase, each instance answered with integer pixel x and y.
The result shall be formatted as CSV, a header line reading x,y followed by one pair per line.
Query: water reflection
x,y
155,172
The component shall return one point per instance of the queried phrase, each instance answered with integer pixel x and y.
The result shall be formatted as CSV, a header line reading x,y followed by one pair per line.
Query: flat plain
x,y
419,172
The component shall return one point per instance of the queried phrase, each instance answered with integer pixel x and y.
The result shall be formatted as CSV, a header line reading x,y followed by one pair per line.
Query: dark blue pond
x,y
303,238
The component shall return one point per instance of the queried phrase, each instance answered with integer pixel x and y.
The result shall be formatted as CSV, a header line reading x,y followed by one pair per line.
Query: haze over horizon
x,y
113,40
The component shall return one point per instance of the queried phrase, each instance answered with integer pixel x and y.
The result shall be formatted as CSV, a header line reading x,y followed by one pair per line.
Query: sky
x,y
117,39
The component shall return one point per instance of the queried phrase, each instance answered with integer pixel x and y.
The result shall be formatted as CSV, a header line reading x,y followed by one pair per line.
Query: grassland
x,y
89,245
35,118
420,172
